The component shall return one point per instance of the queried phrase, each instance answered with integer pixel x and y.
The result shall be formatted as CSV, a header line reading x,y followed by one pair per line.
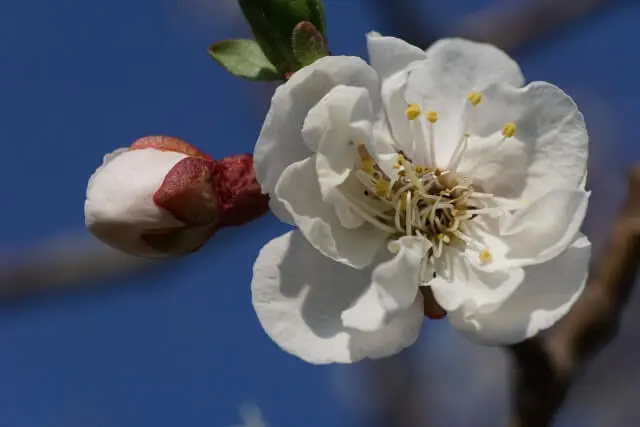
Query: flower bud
x,y
162,197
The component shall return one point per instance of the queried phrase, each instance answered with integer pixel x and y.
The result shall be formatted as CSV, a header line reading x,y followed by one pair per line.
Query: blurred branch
x,y
505,25
405,23
545,367
510,26
63,262
398,385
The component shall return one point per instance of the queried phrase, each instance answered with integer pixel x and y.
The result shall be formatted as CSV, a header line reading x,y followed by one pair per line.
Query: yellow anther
x,y
509,130
403,200
432,117
445,238
474,98
381,187
368,166
419,169
485,256
364,154
437,172
413,111
396,165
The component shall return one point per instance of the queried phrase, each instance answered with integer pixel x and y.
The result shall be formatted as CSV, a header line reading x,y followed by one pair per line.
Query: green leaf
x,y
272,23
308,43
244,58
316,12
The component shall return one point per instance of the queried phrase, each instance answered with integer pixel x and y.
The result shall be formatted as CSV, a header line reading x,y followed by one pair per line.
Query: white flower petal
x,y
388,55
441,83
280,142
346,117
394,286
547,293
548,150
334,128
463,285
280,211
394,100
299,190
455,67
299,295
537,233
119,205
397,280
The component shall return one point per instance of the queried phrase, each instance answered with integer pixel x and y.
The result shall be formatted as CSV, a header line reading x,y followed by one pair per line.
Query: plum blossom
x,y
162,197
422,179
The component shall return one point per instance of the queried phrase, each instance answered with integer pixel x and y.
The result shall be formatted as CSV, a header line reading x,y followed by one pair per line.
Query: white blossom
x,y
428,169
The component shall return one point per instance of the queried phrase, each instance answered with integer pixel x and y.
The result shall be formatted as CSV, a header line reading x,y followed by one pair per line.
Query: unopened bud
x,y
163,197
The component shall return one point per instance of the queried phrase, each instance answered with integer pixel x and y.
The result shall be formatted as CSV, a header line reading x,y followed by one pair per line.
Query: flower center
x,y
419,201
422,199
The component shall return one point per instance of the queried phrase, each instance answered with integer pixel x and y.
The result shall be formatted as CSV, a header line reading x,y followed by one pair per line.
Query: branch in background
x,y
506,25
405,23
511,26
400,401
546,367
64,262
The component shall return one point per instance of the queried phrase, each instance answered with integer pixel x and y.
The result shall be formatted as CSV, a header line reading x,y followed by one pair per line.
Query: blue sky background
x,y
184,348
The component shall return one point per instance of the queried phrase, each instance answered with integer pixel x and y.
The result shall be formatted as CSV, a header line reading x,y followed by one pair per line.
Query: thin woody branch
x,y
511,26
546,366
506,25
62,263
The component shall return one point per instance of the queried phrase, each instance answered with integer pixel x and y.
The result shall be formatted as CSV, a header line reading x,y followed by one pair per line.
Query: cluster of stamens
x,y
421,199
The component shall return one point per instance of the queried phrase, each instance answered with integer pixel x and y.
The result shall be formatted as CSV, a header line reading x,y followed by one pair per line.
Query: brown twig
x,y
63,262
545,367
506,25
510,26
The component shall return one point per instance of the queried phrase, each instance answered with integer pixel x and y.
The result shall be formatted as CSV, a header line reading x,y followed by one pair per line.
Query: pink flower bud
x,y
163,197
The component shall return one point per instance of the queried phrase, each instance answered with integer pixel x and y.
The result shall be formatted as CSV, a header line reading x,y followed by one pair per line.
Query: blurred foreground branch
x,y
546,366
63,262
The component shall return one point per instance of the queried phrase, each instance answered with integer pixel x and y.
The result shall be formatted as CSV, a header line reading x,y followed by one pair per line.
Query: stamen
x,y
432,118
468,240
438,247
368,166
373,221
381,187
474,98
509,130
485,256
408,213
459,152
418,146
412,176
423,200
412,112
398,224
